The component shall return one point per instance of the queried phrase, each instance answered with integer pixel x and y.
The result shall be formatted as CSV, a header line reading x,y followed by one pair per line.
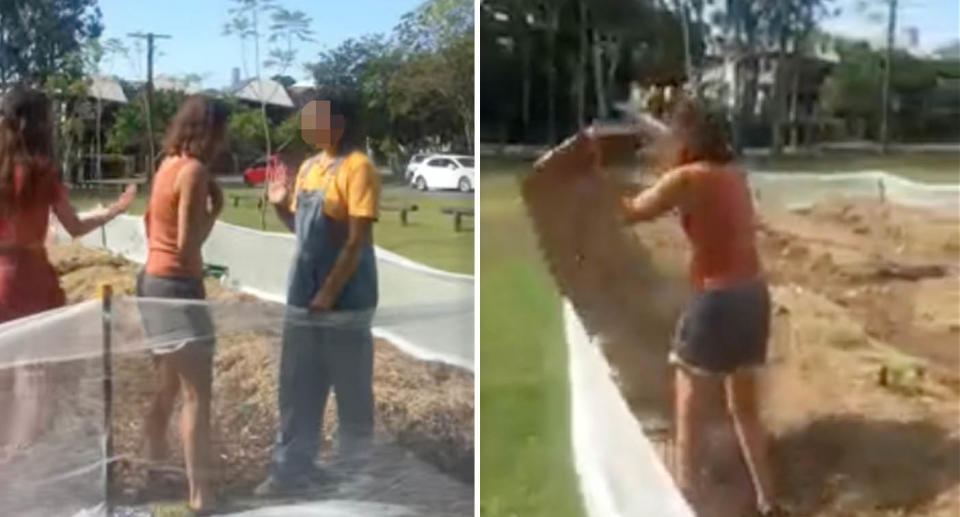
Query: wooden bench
x,y
236,197
458,215
402,209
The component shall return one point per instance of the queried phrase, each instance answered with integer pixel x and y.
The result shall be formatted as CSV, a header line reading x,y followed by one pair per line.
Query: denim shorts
x,y
724,330
170,325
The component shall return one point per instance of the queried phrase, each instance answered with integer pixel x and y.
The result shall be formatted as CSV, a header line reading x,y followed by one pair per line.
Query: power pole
x,y
885,117
150,37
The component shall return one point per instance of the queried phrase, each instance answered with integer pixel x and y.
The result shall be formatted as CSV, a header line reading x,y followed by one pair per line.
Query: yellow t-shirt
x,y
355,191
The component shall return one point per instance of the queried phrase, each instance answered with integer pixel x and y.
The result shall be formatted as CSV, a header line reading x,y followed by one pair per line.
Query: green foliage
x,y
416,86
41,39
589,51
246,132
925,98
128,134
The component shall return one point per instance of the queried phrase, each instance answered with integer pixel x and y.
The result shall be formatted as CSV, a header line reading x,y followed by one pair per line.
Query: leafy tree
x,y
853,91
39,39
128,134
245,23
416,86
285,80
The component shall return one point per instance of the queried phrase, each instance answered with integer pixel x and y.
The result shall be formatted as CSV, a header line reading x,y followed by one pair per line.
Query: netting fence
x,y
801,189
77,384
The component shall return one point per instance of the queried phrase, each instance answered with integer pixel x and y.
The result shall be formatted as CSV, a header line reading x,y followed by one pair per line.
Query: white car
x,y
444,171
415,161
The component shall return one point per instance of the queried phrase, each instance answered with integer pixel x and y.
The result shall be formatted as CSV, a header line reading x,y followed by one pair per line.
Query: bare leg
x,y
195,365
743,407
158,416
28,386
690,392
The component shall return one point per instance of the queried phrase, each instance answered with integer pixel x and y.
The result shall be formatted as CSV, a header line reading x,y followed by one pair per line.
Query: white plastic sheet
x,y
619,470
258,263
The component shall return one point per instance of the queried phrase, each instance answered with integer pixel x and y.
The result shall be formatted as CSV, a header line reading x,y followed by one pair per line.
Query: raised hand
x,y
126,198
278,185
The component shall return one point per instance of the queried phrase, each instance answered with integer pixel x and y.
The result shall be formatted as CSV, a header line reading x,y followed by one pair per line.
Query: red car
x,y
256,173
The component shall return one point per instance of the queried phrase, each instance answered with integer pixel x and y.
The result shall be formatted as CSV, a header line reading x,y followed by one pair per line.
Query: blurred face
x,y
320,128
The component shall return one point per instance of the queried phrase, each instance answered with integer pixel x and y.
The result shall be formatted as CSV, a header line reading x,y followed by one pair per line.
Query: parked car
x,y
415,161
256,173
444,171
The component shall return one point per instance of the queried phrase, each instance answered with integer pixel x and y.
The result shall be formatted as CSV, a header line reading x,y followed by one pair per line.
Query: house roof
x,y
107,89
165,82
264,90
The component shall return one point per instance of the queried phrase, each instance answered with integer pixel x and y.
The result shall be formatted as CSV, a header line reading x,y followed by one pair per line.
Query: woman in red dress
x,y
30,189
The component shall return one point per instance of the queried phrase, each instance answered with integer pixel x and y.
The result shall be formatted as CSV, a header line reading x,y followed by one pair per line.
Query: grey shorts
x,y
724,330
171,326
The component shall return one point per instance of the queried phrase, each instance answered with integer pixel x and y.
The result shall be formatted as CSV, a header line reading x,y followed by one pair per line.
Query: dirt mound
x,y
425,407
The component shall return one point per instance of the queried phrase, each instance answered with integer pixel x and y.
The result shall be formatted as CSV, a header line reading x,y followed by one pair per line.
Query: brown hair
x,y
197,129
26,140
695,135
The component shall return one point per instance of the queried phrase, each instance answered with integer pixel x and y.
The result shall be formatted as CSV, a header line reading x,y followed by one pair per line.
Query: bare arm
x,y
359,233
78,226
667,193
278,194
195,219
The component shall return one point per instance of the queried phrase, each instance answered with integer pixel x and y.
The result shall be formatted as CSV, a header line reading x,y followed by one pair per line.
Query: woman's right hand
x,y
278,185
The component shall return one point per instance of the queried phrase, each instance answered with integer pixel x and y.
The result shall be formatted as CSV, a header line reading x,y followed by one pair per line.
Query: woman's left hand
x,y
322,302
123,202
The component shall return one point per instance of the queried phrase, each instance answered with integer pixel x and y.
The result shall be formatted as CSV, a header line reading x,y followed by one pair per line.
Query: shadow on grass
x,y
850,464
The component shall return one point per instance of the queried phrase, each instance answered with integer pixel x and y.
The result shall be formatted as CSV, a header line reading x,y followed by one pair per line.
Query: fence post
x,y
106,295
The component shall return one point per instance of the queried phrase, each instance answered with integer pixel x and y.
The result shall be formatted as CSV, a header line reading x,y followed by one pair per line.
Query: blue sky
x,y
196,26
937,20
198,47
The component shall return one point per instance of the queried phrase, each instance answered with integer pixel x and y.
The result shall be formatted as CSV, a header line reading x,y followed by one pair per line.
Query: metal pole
x,y
153,153
106,293
150,37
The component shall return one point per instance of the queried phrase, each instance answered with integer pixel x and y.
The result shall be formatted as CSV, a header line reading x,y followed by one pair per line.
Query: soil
x,y
862,394
423,410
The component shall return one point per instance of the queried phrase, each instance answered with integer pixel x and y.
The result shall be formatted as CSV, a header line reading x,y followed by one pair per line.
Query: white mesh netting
x,y
54,404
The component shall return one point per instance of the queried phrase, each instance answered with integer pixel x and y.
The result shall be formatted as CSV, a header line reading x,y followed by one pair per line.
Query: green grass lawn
x,y
428,238
526,468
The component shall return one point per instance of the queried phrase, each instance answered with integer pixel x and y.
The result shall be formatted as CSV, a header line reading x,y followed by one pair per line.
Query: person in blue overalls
x,y
331,209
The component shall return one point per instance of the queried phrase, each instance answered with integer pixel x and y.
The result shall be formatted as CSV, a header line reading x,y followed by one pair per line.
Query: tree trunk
x,y
598,75
779,90
749,70
263,112
885,120
685,31
614,64
581,67
99,172
525,87
794,105
736,114
553,22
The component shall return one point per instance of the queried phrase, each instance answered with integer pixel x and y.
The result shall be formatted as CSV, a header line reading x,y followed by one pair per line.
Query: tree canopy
x,y
42,38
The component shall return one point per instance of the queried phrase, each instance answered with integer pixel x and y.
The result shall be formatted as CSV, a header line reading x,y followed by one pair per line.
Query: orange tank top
x,y
165,257
719,222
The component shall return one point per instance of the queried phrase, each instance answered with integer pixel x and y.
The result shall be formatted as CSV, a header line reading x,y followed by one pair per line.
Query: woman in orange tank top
x,y
185,202
722,335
